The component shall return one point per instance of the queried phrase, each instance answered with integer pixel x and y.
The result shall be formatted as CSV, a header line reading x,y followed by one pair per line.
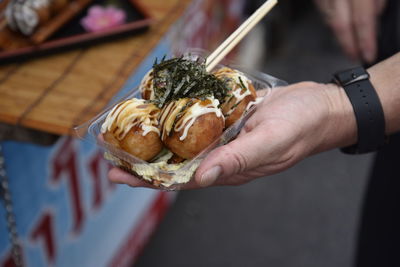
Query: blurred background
x,y
59,209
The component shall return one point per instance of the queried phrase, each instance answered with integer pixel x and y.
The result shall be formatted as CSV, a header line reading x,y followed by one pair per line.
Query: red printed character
x,y
99,168
43,232
64,166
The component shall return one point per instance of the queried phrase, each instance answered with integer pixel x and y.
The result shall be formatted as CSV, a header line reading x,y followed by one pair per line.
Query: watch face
x,y
351,76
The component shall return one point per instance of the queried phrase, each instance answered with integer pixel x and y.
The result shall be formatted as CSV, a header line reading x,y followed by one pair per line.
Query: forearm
x,y
341,127
385,77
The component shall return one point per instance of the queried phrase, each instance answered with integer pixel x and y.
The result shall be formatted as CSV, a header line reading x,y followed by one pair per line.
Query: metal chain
x,y
10,217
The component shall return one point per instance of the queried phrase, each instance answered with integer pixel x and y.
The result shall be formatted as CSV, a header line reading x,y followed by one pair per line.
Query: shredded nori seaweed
x,y
177,78
244,88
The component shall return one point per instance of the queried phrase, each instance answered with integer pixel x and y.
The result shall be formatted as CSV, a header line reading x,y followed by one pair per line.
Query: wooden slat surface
x,y
55,93
27,82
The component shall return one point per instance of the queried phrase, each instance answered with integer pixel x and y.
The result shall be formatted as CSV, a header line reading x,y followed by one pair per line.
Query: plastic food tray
x,y
152,172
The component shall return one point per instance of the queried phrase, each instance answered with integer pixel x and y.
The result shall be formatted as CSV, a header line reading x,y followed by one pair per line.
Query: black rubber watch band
x,y
367,109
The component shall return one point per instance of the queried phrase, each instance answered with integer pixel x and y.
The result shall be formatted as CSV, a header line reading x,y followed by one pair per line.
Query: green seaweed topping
x,y
177,78
242,84
237,104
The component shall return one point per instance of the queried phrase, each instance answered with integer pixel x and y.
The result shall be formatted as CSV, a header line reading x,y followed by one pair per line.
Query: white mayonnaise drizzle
x,y
254,103
168,116
234,77
130,113
147,84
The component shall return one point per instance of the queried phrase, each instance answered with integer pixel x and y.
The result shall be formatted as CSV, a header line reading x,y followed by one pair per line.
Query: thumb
x,y
242,154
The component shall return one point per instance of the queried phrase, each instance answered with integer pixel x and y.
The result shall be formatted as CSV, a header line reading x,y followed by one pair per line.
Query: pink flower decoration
x,y
101,18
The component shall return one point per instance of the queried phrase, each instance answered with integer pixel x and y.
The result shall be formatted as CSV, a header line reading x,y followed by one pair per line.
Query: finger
x,y
263,171
340,21
365,21
119,176
325,6
237,156
380,6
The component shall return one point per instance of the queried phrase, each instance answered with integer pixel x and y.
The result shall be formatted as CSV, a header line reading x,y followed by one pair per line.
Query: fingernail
x,y
209,177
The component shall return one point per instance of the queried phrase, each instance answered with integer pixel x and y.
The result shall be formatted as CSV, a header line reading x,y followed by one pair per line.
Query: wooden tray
x,y
72,35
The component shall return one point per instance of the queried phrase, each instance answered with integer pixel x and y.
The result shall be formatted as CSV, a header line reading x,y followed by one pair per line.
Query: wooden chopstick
x,y
238,34
234,35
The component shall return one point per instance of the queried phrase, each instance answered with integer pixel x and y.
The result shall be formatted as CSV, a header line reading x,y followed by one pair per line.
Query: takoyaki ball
x,y
190,125
232,113
146,87
141,146
132,126
241,93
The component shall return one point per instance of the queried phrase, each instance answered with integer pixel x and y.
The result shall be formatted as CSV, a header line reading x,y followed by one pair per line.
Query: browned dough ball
x,y
143,147
239,109
232,107
201,134
126,123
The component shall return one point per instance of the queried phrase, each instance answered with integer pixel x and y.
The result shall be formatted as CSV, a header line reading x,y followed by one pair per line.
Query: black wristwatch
x,y
367,109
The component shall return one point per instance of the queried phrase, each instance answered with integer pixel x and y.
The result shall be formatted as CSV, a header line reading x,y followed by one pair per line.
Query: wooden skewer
x,y
238,34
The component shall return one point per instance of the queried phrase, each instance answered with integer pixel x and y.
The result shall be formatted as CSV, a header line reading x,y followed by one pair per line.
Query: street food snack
x,y
132,126
190,125
190,118
185,112
240,94
186,109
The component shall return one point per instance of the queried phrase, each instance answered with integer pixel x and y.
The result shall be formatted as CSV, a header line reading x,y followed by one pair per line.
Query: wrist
x,y
340,124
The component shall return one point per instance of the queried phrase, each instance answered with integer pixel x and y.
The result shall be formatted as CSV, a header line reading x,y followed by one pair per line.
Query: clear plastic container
x,y
172,176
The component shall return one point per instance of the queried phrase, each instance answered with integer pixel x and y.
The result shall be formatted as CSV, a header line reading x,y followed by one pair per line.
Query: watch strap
x,y
367,109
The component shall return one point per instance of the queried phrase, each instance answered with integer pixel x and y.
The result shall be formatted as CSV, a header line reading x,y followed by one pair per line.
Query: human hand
x,y
292,123
354,23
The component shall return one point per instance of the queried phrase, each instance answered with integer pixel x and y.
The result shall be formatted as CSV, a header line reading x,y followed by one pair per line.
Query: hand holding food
x,y
184,109
295,122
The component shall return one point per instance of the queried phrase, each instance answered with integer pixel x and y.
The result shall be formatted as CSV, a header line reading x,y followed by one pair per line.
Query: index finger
x,y
340,21
365,22
116,175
